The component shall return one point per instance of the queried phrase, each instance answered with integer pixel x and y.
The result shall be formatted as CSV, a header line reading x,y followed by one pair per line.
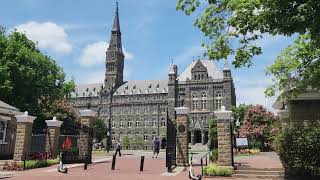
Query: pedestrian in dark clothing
x,y
156,147
118,148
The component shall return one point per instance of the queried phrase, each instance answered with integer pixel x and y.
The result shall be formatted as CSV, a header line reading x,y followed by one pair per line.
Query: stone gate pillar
x,y
23,135
52,141
87,118
182,135
225,157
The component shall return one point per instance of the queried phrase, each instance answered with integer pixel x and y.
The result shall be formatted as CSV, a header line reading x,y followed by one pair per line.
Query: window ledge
x,y
4,143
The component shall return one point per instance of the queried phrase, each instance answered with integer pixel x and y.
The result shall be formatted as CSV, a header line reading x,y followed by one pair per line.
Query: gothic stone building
x,y
139,108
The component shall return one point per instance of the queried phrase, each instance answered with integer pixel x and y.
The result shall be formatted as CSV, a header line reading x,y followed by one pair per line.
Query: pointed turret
x,y
226,70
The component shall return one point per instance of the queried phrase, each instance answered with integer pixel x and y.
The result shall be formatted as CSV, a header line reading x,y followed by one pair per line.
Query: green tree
x,y
30,80
238,112
100,129
125,141
213,133
234,26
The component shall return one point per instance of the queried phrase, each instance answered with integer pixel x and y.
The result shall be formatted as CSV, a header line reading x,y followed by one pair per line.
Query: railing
x,y
206,156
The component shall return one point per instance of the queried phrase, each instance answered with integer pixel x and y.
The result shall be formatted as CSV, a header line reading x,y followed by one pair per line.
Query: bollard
x,y
201,161
85,167
113,162
141,163
169,162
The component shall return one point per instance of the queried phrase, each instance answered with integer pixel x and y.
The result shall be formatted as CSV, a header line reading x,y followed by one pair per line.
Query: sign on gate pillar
x,y
224,137
52,141
23,136
87,118
182,135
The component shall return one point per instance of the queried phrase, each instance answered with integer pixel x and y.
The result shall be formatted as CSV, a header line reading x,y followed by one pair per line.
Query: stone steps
x,y
256,173
257,176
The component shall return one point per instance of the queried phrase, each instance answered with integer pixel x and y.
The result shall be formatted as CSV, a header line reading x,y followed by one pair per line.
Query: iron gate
x,y
171,144
7,139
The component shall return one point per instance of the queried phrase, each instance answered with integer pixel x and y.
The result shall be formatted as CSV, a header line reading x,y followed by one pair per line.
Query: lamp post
x,y
109,122
238,126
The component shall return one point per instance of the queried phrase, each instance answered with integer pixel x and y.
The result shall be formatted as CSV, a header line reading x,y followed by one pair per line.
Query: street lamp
x,y
109,122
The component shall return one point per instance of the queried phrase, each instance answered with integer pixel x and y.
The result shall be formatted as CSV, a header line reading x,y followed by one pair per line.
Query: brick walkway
x,y
264,160
127,168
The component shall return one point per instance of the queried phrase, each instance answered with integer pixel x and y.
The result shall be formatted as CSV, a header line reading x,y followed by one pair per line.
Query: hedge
x,y
299,151
31,164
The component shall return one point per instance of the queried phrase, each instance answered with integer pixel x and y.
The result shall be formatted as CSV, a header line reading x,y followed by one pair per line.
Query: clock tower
x,y
114,57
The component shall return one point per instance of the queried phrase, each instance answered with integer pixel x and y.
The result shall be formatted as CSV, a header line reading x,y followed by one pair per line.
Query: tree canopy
x,y
30,80
234,26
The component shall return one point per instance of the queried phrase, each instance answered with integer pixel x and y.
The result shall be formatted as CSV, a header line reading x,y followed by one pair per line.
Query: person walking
x,y
118,148
156,147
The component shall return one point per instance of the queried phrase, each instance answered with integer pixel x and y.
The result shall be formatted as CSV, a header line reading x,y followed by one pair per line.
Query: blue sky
x,y
76,33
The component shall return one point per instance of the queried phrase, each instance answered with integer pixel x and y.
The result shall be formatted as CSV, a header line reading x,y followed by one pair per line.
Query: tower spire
x,y
116,23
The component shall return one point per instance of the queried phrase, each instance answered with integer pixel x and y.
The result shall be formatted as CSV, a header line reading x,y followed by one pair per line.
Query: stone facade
x,y
139,108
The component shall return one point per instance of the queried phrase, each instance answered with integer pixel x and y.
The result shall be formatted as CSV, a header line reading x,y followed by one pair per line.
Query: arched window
x,y
145,137
120,136
194,95
204,94
218,94
2,131
113,136
163,122
154,135
146,122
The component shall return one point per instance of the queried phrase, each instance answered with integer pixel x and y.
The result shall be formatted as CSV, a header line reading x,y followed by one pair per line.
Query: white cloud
x,y
48,35
95,77
95,53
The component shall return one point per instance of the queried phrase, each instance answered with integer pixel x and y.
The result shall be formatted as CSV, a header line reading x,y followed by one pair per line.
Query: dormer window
x,y
134,87
126,88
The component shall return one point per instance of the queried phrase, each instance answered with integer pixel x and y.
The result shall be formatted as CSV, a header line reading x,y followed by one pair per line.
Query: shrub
x,y
214,155
31,164
214,170
299,151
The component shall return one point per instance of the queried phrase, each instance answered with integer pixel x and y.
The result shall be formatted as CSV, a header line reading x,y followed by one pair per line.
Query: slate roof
x,y
213,71
7,106
143,87
85,90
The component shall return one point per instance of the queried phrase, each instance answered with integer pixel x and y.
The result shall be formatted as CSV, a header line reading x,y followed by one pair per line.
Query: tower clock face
x,y
110,54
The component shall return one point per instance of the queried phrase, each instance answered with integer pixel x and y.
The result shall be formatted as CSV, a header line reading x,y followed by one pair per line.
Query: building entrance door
x,y
197,136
